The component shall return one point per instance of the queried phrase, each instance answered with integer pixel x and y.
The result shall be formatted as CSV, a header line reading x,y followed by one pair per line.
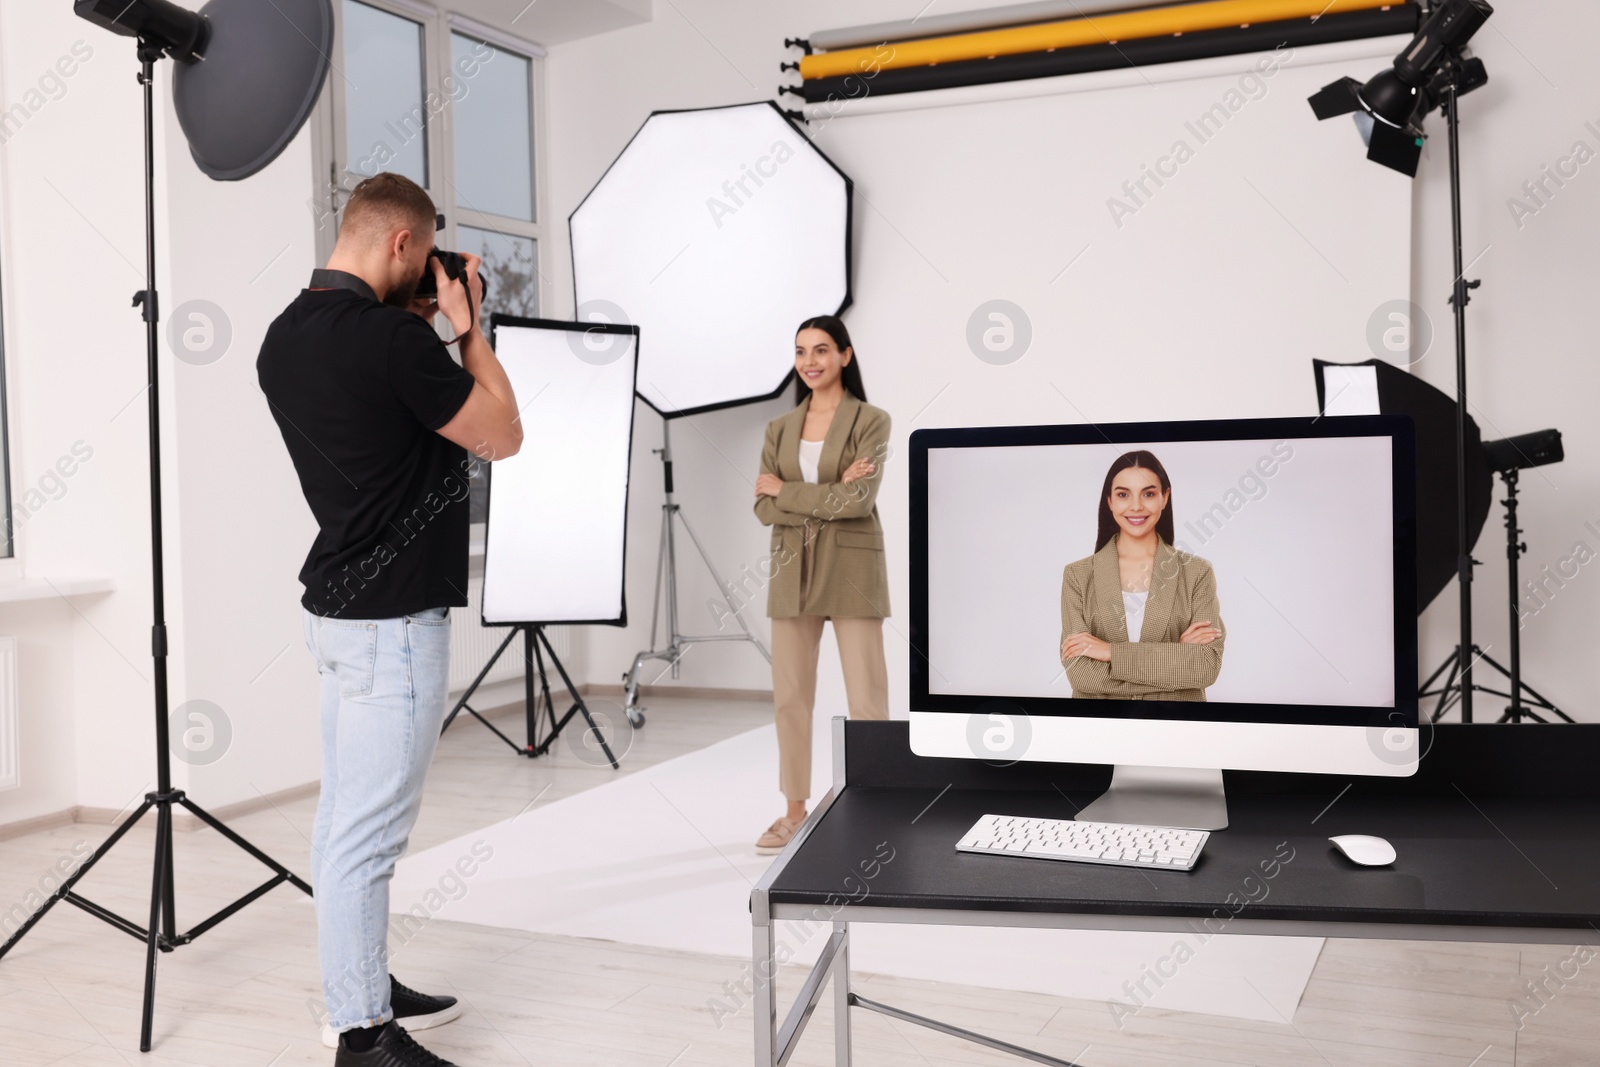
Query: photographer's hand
x,y
458,306
424,307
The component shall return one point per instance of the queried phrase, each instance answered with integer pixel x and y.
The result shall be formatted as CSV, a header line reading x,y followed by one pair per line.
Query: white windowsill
x,y
22,589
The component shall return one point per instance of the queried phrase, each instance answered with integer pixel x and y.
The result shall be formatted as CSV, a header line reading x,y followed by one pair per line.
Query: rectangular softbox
x,y
558,509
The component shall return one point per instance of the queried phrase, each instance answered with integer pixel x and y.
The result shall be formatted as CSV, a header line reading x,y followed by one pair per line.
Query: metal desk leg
x,y
841,997
764,1005
775,1044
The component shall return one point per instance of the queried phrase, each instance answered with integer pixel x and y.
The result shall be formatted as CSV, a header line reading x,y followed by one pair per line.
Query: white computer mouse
x,y
1367,851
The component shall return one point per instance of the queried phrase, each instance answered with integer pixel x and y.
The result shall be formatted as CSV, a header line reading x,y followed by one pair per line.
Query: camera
x,y
455,268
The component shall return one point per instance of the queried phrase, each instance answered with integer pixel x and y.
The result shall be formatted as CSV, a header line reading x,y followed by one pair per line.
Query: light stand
x,y
532,662
1432,70
1457,668
667,573
1509,457
161,933
1517,710
1460,662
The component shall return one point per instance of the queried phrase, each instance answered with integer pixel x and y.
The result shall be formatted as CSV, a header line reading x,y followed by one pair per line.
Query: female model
x,y
1139,618
820,471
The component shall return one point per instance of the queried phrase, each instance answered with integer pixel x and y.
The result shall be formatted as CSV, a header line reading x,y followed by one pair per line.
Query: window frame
x,y
332,179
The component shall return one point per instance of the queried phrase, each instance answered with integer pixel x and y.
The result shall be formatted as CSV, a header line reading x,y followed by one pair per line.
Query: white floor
x,y
665,857
246,994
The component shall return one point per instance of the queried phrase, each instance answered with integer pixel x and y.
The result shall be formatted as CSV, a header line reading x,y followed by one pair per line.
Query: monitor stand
x,y
1162,796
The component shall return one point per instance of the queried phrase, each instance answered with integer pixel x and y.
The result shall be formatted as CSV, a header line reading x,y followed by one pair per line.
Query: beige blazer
x,y
1183,590
849,577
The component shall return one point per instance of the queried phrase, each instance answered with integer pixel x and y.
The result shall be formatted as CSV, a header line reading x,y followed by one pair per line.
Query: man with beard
x,y
379,421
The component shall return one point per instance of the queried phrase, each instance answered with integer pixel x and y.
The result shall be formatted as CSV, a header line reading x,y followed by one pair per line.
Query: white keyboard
x,y
1119,844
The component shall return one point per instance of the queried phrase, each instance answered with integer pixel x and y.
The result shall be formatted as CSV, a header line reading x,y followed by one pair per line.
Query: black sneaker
x,y
395,1048
418,1011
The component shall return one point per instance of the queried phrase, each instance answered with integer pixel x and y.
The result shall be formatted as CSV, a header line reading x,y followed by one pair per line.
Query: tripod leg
x,y
473,688
577,704
549,700
530,650
556,725
1449,660
630,700
661,569
255,853
631,687
169,901
1538,700
1444,703
673,633
66,886
544,685
159,892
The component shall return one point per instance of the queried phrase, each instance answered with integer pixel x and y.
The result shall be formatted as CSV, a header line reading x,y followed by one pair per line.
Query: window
x,y
494,130
494,167
385,121
494,171
454,106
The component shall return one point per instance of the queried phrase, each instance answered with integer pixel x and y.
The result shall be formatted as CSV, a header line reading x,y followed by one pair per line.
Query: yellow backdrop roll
x,y
1158,22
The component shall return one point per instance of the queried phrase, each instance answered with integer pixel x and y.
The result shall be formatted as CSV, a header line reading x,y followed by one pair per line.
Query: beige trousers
x,y
796,644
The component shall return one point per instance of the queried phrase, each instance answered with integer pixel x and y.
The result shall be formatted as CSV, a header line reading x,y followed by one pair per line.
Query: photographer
x,y
379,422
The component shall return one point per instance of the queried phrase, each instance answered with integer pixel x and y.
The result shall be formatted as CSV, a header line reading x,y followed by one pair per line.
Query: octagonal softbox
x,y
716,232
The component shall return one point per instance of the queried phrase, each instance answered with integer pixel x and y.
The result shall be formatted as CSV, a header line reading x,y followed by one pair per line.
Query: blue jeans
x,y
384,685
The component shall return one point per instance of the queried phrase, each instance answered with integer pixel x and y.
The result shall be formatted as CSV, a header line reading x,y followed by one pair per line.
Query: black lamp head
x,y
1397,99
1448,29
1388,99
1524,451
179,33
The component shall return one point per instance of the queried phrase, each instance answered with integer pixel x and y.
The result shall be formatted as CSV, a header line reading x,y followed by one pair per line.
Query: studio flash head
x,y
1525,450
177,32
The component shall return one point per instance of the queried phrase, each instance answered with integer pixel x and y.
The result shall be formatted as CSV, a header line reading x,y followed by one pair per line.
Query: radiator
x,y
472,643
10,731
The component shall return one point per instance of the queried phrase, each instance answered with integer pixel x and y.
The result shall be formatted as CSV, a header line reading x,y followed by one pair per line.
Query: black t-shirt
x,y
358,389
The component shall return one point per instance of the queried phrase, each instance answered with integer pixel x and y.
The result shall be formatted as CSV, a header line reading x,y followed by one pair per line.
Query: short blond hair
x,y
385,203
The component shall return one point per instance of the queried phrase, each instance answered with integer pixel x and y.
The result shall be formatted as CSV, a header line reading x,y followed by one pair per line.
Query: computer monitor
x,y
1267,565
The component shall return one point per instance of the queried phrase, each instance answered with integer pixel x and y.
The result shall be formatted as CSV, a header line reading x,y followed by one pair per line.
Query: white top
x,y
810,453
1133,608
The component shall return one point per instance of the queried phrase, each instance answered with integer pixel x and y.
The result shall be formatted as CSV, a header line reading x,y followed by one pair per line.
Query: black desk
x,y
1498,838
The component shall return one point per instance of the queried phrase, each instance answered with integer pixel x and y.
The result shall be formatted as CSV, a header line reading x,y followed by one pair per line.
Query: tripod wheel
x,y
636,718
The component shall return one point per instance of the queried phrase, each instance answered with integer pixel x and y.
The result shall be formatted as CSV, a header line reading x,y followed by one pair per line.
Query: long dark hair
x,y
850,376
1145,461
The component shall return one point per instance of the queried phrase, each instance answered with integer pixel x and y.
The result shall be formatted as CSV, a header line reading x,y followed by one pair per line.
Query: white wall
x,y
75,358
248,248
236,527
